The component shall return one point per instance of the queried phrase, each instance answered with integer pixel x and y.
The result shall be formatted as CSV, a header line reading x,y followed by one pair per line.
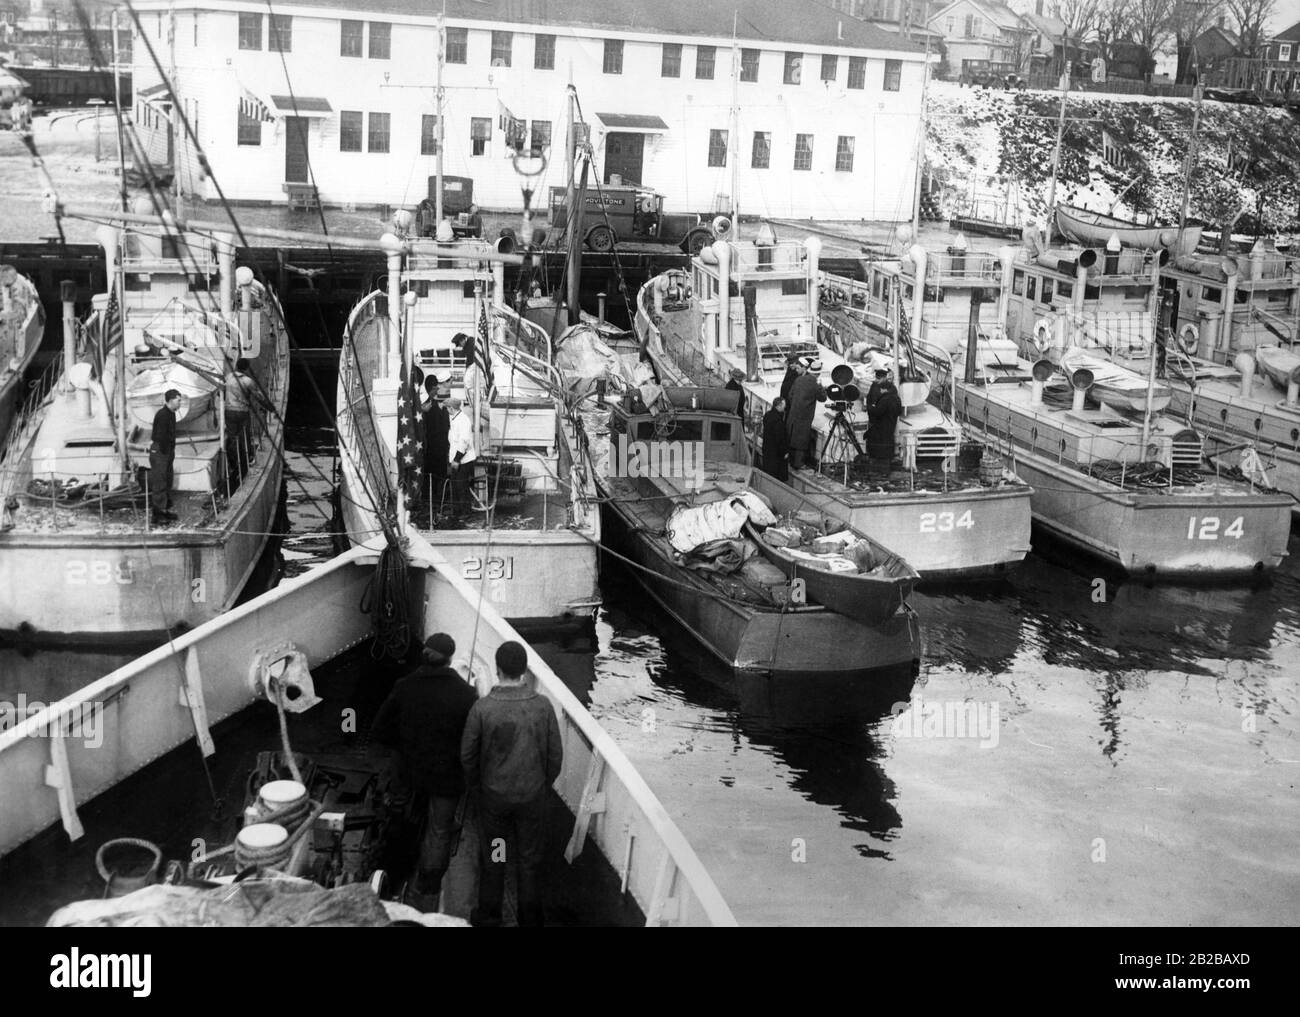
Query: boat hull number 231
x,y
1207,528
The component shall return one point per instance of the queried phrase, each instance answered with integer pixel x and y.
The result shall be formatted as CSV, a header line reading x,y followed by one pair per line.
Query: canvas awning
x,y
302,105
632,123
152,92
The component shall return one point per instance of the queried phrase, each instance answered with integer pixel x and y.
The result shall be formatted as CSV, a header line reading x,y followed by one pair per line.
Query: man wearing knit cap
x,y
512,754
424,717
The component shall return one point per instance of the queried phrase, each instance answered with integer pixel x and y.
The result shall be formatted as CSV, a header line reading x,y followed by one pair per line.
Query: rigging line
x,y
203,162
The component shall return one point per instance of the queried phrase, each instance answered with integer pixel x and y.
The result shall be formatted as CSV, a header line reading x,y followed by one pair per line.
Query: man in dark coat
x,y
880,432
733,385
512,754
162,457
793,368
873,393
437,441
775,447
424,717
805,394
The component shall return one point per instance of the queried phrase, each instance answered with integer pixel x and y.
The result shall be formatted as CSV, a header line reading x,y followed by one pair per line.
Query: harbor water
x,y
1073,750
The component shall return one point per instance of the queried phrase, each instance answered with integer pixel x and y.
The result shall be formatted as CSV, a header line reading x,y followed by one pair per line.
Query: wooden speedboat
x,y
842,568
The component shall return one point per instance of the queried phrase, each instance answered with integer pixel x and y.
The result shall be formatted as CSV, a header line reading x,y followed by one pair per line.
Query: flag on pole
x,y
483,350
254,108
410,436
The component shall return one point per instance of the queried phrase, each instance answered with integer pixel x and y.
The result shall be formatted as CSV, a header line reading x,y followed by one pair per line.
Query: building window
x,y
457,45
670,65
844,154
970,26
428,134
196,28
857,72
350,38
279,39
749,65
250,128
803,151
250,31
952,25
793,68
539,138
480,133
762,154
502,44
1284,51
377,141
349,131
381,40
613,57
893,75
704,57
717,148
830,67
544,53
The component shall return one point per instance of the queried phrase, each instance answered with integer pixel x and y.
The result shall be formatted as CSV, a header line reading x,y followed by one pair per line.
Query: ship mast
x,y
439,133
735,129
1060,133
920,147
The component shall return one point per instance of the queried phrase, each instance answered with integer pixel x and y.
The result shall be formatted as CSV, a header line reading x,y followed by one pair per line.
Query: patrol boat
x,y
954,514
80,556
531,537
22,326
1111,474
266,655
729,594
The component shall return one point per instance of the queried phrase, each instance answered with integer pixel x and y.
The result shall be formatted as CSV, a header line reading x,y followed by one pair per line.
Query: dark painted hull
x,y
807,640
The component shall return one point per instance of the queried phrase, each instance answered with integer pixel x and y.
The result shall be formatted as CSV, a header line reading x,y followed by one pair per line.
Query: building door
x,y
295,150
623,156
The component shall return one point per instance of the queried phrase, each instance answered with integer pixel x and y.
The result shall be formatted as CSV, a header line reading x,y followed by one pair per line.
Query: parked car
x,y
632,213
457,206
987,74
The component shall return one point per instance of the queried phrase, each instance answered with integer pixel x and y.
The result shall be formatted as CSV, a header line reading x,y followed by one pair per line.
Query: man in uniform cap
x,y
873,393
733,385
424,718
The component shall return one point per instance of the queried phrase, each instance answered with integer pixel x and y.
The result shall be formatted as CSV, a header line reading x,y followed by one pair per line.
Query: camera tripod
x,y
840,438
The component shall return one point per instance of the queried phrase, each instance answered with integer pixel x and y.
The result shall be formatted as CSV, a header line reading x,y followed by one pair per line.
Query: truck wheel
x,y
697,241
601,238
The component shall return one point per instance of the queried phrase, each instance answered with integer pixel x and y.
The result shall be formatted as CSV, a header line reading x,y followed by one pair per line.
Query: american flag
x,y
410,437
483,350
110,334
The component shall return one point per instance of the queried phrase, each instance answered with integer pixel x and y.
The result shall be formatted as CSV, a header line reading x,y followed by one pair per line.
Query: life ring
x,y
1042,335
1188,338
647,205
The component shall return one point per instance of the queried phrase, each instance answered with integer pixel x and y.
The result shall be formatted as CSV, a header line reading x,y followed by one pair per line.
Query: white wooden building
x,y
340,94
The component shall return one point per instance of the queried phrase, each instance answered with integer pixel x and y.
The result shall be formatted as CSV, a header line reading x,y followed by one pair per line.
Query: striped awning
x,y
253,108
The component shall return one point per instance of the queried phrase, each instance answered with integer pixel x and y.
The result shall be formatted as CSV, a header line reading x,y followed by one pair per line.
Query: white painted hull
x,y
45,780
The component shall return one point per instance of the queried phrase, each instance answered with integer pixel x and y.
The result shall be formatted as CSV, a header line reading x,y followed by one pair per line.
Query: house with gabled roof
x,y
978,32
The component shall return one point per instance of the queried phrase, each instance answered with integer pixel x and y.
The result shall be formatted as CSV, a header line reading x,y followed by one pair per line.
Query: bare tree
x,y
1250,17
1080,16
1151,22
1114,22
1190,18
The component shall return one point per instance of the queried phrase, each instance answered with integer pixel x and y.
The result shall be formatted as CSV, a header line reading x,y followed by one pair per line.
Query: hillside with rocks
x,y
994,145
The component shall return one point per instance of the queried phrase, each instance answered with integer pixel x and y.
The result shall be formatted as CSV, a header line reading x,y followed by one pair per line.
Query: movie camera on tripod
x,y
842,393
